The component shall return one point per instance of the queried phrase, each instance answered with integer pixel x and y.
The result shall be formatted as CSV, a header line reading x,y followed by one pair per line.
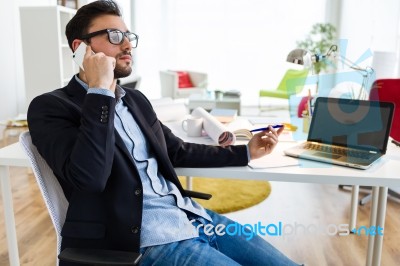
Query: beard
x,y
122,71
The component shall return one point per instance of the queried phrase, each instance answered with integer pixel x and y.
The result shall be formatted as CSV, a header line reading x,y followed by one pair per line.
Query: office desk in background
x,y
381,175
209,102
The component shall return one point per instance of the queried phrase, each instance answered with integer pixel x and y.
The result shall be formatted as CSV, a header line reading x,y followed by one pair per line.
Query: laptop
x,y
347,132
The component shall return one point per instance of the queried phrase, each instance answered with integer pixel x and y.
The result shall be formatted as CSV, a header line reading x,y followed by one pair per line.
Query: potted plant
x,y
321,37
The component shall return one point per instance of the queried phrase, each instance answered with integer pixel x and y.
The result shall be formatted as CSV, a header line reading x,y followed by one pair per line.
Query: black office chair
x,y
133,84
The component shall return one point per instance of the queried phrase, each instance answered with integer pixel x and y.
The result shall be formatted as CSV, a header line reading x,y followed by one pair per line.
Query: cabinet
x,y
47,58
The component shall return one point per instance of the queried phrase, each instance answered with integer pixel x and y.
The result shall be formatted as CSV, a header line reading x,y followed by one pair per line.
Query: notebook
x,y
347,132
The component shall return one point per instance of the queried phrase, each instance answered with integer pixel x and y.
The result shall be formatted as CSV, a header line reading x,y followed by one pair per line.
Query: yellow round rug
x,y
229,195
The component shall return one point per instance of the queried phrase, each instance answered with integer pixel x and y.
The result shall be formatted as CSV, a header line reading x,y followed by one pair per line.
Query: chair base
x,y
392,192
99,256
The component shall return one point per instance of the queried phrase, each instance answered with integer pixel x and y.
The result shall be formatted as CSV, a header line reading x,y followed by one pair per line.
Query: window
x,y
241,44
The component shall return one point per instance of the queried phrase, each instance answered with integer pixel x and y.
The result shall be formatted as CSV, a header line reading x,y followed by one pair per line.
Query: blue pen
x,y
265,128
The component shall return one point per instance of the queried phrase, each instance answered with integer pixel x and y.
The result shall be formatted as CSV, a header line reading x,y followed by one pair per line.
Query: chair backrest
x,y
52,192
388,90
293,81
132,84
169,82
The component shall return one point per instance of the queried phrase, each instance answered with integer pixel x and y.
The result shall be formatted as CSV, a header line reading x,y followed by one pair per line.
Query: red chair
x,y
388,90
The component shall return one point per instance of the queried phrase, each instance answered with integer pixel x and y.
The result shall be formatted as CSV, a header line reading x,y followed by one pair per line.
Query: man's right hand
x,y
99,69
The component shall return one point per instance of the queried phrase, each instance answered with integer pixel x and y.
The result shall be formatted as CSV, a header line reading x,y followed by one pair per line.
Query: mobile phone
x,y
79,54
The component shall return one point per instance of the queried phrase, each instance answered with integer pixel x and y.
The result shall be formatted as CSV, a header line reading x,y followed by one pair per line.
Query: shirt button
x,y
138,192
104,107
135,229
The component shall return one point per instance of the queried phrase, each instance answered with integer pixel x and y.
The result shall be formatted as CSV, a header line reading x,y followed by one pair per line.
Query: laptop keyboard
x,y
338,151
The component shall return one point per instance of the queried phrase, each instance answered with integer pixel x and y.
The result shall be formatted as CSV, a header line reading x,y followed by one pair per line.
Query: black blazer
x,y
97,174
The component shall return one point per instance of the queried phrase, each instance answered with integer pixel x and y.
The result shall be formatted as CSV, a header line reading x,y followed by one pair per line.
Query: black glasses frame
x,y
127,34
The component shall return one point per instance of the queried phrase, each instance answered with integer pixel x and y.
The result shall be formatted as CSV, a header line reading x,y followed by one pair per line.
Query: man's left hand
x,y
264,142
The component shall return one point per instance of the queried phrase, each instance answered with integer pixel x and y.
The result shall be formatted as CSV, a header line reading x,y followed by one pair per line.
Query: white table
x,y
381,175
10,156
211,102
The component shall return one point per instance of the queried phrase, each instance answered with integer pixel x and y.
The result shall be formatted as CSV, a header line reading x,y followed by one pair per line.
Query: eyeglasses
x,y
115,36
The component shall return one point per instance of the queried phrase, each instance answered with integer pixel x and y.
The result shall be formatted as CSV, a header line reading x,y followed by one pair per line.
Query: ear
x,y
75,44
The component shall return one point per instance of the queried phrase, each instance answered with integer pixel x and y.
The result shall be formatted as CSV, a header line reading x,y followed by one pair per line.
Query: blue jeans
x,y
215,249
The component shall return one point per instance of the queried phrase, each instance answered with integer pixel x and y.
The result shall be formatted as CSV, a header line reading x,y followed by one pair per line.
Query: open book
x,y
226,134
246,134
243,133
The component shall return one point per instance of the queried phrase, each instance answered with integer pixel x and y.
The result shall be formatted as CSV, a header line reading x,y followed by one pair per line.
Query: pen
x,y
265,128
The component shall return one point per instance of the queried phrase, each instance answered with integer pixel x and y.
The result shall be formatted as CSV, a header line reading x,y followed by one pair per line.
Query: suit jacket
x,y
96,171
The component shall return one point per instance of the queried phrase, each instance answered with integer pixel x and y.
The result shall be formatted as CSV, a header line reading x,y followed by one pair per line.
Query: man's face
x,y
121,52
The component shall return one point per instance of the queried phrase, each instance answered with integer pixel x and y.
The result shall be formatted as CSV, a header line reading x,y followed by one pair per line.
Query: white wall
x,y
12,86
11,68
241,44
370,24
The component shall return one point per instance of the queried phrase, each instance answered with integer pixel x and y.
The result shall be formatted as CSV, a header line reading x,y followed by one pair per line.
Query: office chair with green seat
x,y
292,83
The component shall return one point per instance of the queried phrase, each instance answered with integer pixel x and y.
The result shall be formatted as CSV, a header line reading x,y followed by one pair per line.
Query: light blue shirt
x,y
164,219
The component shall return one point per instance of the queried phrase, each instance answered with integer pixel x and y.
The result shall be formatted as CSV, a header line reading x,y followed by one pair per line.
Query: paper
x,y
219,133
273,161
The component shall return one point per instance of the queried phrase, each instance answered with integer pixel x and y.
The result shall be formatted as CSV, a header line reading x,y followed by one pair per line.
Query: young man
x,y
115,160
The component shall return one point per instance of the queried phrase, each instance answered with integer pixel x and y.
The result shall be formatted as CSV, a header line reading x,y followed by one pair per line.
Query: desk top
x,y
385,172
13,155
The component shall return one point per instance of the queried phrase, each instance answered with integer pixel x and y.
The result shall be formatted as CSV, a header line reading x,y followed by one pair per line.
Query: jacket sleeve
x,y
79,147
185,154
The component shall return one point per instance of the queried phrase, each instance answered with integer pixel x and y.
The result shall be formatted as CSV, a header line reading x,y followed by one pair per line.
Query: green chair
x,y
292,83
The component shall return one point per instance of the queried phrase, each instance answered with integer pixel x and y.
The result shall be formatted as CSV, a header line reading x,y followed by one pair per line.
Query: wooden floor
x,y
289,203
321,207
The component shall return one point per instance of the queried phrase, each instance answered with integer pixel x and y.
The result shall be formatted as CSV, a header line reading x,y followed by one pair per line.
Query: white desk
x,y
10,156
381,175
210,102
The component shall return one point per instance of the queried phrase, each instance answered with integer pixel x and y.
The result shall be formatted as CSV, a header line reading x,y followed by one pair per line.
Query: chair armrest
x,y
199,195
99,256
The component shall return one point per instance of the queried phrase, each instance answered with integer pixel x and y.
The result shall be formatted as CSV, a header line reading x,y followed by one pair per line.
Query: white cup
x,y
193,126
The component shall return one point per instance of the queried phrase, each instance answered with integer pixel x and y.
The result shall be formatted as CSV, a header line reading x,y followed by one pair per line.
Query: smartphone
x,y
79,54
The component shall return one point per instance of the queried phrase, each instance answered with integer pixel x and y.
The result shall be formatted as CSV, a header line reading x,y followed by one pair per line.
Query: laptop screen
x,y
351,123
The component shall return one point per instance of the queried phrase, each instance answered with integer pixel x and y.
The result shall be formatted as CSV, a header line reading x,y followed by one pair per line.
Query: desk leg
x,y
354,206
11,233
372,222
380,222
189,184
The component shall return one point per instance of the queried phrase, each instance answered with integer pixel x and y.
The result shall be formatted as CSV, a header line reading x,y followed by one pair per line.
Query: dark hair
x,y
80,23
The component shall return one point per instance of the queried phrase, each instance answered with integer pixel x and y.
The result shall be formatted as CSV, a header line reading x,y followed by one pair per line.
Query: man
x,y
115,160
